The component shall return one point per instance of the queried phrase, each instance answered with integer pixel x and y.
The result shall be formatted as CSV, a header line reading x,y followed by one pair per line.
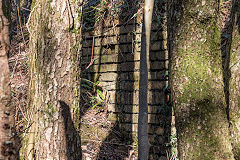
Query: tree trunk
x,y
7,150
234,82
196,80
54,27
143,82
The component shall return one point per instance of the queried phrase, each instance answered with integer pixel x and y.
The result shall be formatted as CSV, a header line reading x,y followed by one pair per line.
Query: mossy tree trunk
x,y
234,82
54,27
7,150
196,80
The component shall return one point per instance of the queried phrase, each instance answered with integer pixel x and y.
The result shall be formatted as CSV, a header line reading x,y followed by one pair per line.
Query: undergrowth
x,y
94,93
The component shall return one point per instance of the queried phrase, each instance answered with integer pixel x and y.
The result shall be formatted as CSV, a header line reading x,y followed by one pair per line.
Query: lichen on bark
x,y
54,85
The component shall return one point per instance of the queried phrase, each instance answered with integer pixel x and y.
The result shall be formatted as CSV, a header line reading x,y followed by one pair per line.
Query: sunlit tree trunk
x,y
54,27
143,83
234,87
196,80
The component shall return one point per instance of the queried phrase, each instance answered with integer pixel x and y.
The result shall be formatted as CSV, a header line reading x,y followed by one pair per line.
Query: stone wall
x,y
116,51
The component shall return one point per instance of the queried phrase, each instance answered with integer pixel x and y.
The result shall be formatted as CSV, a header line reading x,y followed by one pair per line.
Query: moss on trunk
x,y
234,82
196,80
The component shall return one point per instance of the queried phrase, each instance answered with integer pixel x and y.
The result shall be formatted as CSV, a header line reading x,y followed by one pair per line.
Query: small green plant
x,y
166,74
98,99
95,92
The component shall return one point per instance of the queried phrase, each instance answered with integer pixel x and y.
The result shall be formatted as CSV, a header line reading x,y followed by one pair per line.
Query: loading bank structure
x,y
111,55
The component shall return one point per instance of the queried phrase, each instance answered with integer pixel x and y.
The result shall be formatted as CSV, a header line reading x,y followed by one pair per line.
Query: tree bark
x,y
234,82
54,113
7,150
143,82
196,80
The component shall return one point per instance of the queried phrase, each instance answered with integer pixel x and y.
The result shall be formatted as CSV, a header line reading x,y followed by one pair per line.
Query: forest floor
x,y
101,139
18,63
95,128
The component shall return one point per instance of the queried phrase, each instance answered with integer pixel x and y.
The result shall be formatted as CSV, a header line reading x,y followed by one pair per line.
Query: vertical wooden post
x,y
143,82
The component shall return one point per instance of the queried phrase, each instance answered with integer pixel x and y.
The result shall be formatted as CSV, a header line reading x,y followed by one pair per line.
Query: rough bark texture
x,y
234,82
143,82
6,118
196,80
54,28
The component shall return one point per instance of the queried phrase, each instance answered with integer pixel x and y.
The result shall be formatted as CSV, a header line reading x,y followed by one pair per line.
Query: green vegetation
x,y
96,97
